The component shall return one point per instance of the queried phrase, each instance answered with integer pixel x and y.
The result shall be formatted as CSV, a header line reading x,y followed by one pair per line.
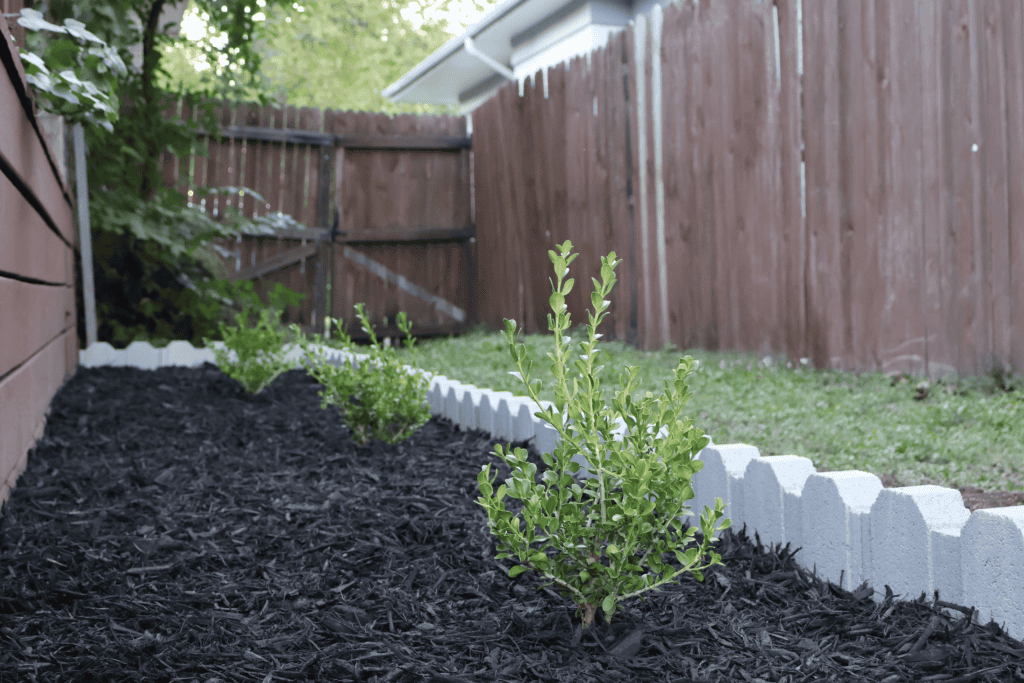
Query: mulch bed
x,y
172,528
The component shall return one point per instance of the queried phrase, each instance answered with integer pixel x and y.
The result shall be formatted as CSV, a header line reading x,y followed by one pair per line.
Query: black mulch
x,y
172,528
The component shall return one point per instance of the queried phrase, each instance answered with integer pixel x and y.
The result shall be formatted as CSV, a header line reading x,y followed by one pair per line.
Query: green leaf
x,y
550,504
516,571
608,605
77,29
33,21
557,302
34,60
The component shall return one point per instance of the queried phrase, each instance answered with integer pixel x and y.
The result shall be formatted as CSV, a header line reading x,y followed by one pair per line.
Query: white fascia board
x,y
451,71
399,90
581,43
580,19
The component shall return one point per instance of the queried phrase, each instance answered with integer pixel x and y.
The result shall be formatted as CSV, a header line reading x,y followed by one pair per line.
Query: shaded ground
x,y
172,528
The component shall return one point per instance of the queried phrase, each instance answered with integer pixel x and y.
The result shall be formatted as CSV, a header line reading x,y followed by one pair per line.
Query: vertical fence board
x,y
677,172
645,162
1013,36
936,197
964,301
505,210
738,231
820,28
505,214
266,155
698,138
238,155
344,275
773,330
575,188
421,165
288,166
530,142
486,299
791,297
513,280
251,116
591,247
615,104
901,339
334,122
755,103
278,163
615,229
309,119
606,237
862,191
338,306
993,158
542,170
726,223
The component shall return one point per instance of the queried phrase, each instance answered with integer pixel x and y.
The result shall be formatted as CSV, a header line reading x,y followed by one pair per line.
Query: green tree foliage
x,y
340,54
156,271
80,81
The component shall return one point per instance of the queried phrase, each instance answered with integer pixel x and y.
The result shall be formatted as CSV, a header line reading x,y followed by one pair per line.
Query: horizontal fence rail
x,y
394,142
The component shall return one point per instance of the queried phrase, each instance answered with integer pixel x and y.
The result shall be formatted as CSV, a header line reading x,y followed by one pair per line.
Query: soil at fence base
x,y
172,528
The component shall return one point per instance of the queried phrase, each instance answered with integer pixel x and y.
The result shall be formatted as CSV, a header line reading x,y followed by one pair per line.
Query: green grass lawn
x,y
962,433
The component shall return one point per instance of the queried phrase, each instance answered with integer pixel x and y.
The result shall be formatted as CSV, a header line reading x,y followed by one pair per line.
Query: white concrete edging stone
x,y
915,538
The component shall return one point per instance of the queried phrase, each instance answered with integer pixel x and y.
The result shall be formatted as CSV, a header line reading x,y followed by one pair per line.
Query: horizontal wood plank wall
x,y
379,193
16,30
912,119
38,337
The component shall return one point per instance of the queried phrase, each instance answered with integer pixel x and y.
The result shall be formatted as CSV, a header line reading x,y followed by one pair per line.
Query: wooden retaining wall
x,y
38,337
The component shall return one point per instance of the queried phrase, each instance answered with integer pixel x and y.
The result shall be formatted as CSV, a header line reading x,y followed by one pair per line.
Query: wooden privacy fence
x,y
679,148
384,208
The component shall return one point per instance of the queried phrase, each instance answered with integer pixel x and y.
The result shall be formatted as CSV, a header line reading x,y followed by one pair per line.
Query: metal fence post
x,y
85,236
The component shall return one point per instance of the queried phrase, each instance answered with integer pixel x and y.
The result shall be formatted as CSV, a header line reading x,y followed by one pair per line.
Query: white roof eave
x,y
432,80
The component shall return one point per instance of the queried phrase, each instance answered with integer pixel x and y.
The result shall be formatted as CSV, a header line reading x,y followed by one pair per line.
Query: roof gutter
x,y
470,47
433,61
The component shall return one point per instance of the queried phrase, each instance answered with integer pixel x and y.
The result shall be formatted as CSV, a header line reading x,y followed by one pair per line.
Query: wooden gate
x,y
388,205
